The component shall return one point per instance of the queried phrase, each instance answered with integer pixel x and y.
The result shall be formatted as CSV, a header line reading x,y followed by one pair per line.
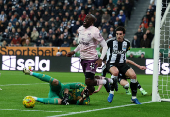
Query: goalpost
x,y
161,80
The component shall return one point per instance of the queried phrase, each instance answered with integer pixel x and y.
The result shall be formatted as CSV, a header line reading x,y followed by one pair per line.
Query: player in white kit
x,y
89,38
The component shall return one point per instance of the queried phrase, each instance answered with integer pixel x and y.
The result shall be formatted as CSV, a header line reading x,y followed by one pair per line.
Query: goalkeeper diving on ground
x,y
71,93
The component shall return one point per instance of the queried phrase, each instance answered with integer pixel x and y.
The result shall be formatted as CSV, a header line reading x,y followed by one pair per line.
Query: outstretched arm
x,y
135,64
99,88
69,54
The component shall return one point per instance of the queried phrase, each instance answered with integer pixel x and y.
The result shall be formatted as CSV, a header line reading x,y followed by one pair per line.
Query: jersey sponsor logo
x,y
84,43
115,46
118,52
124,46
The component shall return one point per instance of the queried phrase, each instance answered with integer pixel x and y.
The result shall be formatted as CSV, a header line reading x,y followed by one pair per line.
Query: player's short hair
x,y
121,28
93,18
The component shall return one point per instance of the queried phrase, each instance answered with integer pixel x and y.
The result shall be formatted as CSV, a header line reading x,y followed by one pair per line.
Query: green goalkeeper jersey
x,y
75,94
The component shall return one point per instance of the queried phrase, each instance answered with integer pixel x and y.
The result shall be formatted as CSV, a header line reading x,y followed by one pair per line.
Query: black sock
x,y
133,87
138,85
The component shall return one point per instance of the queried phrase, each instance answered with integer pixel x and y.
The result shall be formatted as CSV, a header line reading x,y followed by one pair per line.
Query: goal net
x,y
163,78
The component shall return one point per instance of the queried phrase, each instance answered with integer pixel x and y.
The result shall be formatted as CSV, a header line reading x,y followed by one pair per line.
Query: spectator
x,y
24,38
42,44
16,41
24,27
2,29
113,18
142,27
46,26
28,31
128,9
24,15
104,33
139,34
145,42
27,43
82,15
17,25
107,26
74,29
4,44
2,16
151,28
106,16
46,16
119,22
38,27
5,35
100,10
149,35
43,33
38,41
13,33
131,56
93,10
111,4
142,56
122,17
74,44
112,32
53,40
34,35
9,27
60,40
65,44
135,42
145,22
20,32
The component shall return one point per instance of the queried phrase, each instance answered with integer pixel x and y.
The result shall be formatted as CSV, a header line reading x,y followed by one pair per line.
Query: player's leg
x,y
141,89
42,77
89,69
133,84
55,100
107,88
114,71
125,85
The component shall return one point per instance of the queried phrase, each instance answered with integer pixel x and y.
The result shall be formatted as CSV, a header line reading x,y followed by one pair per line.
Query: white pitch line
x,y
73,113
29,110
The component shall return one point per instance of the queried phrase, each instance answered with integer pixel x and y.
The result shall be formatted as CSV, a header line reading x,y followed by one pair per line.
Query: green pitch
x,y
15,86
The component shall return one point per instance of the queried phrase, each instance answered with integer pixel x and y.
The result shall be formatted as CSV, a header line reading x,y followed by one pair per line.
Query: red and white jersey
x,y
88,40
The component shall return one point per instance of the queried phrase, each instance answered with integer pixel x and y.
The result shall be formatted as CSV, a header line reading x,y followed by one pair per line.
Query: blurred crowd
x,y
144,36
54,23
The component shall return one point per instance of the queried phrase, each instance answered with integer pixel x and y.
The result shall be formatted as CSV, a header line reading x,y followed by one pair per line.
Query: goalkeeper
x,y
72,93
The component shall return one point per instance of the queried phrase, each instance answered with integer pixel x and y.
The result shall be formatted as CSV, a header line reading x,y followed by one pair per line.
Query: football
x,y
29,102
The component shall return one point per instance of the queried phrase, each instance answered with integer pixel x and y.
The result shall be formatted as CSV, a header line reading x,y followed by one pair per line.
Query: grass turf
x,y
16,86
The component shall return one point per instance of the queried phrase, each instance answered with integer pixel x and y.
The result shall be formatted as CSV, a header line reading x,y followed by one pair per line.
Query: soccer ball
x,y
28,102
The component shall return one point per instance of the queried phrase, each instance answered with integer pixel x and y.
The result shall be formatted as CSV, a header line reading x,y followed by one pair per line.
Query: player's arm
x,y
135,64
65,98
69,54
99,88
82,101
102,42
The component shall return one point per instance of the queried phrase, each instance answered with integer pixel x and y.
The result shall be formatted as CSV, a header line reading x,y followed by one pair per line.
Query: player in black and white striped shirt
x,y
116,62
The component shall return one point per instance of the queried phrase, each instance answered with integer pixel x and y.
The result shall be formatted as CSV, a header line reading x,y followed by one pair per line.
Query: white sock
x,y
111,92
31,73
133,97
141,89
110,80
34,97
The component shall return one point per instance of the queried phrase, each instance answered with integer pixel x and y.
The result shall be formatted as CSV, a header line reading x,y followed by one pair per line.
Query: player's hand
x,y
65,100
99,62
142,67
86,93
96,91
69,54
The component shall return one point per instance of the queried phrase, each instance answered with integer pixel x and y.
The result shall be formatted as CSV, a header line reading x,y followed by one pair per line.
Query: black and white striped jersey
x,y
116,52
